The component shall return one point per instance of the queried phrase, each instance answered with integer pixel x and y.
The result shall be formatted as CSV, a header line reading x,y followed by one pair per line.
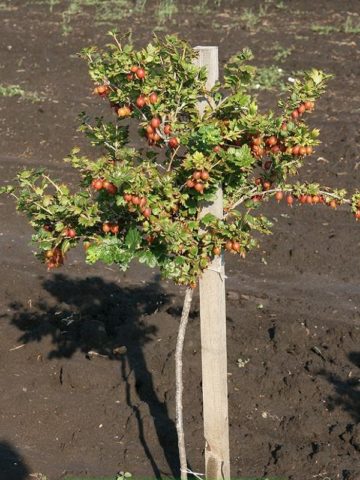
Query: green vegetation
x,y
252,18
17,91
270,78
348,26
282,53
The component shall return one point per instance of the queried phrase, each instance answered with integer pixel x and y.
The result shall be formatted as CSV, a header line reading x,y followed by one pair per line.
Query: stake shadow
x,y
12,466
93,315
346,391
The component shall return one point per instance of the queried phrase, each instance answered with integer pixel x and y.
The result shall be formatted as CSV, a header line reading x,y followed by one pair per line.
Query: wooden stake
x,y
213,330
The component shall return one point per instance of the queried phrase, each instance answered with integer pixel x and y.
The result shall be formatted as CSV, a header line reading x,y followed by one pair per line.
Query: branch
x,y
287,190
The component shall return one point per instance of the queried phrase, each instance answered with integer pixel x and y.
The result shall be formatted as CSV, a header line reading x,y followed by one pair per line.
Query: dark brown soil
x,y
293,319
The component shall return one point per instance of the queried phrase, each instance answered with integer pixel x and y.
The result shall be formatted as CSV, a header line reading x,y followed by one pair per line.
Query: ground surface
x,y
295,405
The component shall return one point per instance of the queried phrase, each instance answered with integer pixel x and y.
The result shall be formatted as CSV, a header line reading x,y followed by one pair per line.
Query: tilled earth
x,y
68,404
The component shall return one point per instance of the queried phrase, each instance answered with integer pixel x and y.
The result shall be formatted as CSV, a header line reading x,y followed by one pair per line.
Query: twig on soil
x,y
179,381
17,348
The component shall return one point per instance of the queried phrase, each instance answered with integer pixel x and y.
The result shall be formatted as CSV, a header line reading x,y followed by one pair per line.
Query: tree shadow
x,y
346,391
12,466
93,315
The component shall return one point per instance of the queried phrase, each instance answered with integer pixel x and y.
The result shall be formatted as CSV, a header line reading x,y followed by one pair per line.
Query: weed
x,y
282,53
251,18
17,91
166,10
269,78
205,7
348,27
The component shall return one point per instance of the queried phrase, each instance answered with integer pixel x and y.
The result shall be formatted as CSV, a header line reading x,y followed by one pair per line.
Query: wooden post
x,y
213,330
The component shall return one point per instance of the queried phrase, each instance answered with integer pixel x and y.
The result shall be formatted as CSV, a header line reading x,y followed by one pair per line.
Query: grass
x,y
281,53
166,10
17,91
348,27
252,19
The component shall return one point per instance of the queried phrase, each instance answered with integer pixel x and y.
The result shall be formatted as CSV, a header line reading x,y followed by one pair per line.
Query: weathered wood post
x,y
213,330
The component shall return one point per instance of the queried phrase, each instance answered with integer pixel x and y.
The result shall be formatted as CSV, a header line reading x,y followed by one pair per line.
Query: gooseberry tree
x,y
147,202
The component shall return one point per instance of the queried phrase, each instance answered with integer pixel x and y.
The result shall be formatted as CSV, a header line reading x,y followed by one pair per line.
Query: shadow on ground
x,y
12,466
91,315
346,390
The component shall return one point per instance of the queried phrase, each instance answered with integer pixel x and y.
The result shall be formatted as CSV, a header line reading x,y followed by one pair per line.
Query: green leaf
x,y
148,258
133,238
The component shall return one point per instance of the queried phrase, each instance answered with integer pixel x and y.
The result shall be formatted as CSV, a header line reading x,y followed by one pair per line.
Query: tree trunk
x,y
179,381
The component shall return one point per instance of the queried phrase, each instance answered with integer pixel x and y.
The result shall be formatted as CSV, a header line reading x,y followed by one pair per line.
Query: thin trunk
x,y
179,381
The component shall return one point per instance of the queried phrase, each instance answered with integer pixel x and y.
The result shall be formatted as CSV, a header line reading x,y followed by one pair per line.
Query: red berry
x,y
217,149
196,175
153,98
357,214
289,199
217,251
97,184
333,204
135,200
155,122
123,111
167,129
127,197
295,150
295,114
236,246
309,199
229,245
302,199
275,149
256,141
106,228
205,175
283,126
266,185
112,190
146,212
301,108
190,183
114,229
129,77
309,105
309,150
302,151
140,73
271,141
199,187
71,233
134,69
142,202
173,142
102,90
316,199
279,196
140,101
